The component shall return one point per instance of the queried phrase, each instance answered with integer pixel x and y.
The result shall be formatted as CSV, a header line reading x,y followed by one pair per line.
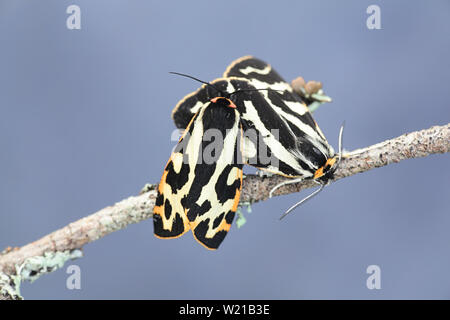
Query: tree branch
x,y
52,250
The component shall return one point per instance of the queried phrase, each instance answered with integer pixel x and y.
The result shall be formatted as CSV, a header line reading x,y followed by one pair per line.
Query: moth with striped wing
x,y
300,151
250,97
196,193
312,151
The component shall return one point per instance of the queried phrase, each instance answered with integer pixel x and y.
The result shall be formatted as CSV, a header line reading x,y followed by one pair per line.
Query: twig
x,y
67,241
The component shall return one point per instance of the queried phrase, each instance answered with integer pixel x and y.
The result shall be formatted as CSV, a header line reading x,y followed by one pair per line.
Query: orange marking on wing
x,y
204,245
158,210
223,226
172,237
193,224
236,200
162,182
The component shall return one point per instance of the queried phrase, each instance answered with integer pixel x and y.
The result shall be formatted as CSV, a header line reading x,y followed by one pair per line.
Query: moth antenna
x,y
193,78
303,201
340,146
291,181
242,90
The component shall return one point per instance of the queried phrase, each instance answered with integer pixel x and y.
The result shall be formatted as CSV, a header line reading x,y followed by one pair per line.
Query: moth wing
x,y
286,104
211,227
261,75
251,68
169,216
214,195
189,105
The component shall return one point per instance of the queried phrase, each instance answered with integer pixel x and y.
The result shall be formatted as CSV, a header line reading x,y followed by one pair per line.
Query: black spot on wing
x,y
195,210
229,217
177,180
167,209
211,243
159,199
177,227
203,173
202,228
218,220
223,190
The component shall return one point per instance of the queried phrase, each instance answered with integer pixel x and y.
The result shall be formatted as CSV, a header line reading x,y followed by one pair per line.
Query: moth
x,y
196,194
300,151
250,97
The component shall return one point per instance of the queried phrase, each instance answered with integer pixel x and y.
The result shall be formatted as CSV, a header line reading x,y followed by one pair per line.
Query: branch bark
x,y
67,241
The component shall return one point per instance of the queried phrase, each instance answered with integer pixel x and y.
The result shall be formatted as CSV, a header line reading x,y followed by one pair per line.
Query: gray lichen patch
x,y
34,267
148,187
9,288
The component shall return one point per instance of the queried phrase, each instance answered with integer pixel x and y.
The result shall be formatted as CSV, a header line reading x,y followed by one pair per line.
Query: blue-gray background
x,y
85,122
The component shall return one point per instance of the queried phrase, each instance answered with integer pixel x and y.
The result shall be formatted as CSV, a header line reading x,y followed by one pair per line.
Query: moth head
x,y
326,171
222,101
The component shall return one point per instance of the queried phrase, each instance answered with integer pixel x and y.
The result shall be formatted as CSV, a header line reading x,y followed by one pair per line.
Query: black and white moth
x,y
300,150
250,97
196,194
